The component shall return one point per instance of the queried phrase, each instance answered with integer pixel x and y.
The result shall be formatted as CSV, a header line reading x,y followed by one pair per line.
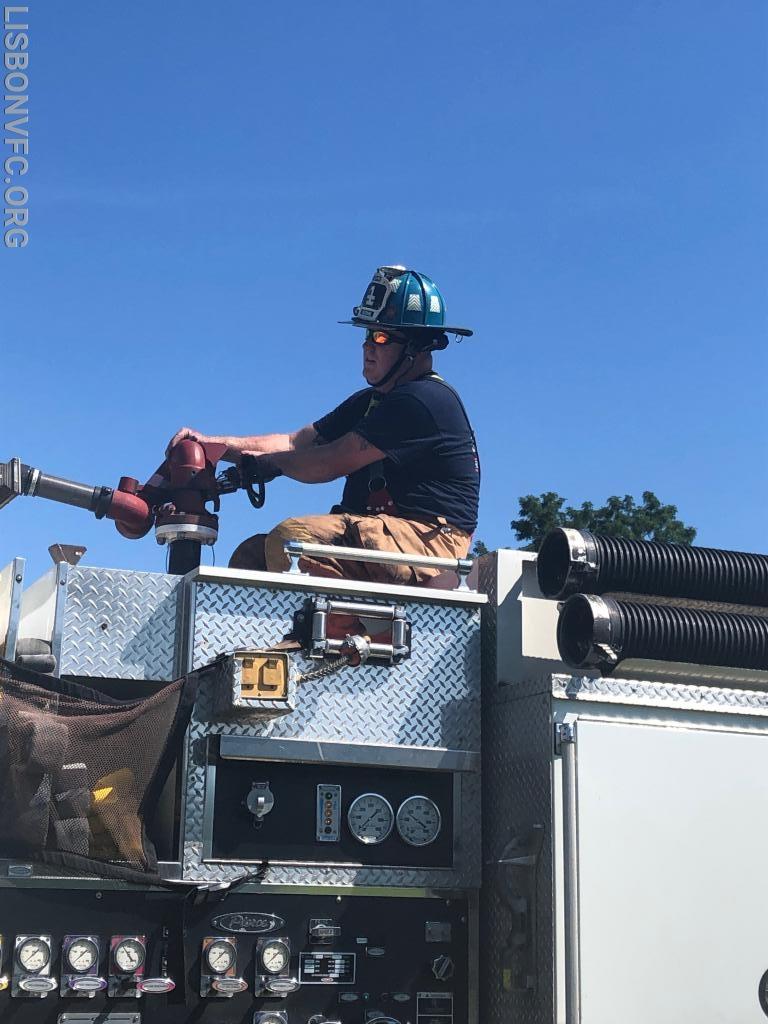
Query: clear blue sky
x,y
212,185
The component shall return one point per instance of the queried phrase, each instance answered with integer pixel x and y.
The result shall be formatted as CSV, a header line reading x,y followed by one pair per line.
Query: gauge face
x,y
370,818
220,956
275,956
129,955
82,955
418,821
33,955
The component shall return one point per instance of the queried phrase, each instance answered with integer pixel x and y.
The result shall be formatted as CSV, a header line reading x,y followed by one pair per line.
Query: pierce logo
x,y
250,924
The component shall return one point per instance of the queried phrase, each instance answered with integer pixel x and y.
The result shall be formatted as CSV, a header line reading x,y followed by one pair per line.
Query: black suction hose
x,y
577,561
598,632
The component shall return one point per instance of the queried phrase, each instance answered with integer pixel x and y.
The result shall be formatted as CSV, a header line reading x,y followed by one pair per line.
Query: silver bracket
x,y
565,732
294,549
463,569
101,1017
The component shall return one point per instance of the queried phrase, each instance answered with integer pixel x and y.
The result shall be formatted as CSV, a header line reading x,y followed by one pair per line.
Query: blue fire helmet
x,y
404,300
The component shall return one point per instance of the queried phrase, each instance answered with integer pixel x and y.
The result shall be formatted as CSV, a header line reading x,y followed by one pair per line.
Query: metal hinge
x,y
565,732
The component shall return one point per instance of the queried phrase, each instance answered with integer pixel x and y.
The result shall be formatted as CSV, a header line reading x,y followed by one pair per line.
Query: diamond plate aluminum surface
x,y
430,700
486,584
661,695
517,794
120,624
517,787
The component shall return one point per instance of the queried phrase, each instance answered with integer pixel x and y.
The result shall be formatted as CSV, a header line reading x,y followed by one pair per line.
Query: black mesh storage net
x,y
79,771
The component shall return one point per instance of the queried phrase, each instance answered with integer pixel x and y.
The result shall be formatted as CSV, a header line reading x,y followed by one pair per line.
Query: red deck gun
x,y
173,500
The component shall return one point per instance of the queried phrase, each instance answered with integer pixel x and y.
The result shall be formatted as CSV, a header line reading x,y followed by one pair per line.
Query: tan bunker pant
x,y
379,532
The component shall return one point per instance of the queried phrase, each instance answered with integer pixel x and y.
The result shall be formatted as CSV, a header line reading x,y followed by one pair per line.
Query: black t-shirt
x,y
431,469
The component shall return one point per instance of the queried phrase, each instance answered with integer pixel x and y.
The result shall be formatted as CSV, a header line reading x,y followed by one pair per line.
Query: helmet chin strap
x,y
407,356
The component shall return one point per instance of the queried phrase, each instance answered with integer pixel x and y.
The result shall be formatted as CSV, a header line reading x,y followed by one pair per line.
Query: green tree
x,y
620,517
479,549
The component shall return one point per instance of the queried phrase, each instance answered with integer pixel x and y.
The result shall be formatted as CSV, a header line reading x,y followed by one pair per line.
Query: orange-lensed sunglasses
x,y
384,337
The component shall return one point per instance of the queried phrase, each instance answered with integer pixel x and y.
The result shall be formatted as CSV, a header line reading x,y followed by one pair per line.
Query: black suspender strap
x,y
436,377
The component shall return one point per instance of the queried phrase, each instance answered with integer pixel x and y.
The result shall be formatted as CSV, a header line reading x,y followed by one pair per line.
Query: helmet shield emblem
x,y
385,282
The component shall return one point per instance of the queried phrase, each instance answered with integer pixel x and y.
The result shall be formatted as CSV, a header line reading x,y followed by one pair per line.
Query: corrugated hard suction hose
x,y
577,561
600,631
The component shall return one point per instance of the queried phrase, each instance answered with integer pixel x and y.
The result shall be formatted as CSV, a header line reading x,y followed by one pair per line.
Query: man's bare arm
x,y
321,463
257,444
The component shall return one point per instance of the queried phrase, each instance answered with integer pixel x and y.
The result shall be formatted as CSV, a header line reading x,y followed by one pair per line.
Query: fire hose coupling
x,y
102,501
16,479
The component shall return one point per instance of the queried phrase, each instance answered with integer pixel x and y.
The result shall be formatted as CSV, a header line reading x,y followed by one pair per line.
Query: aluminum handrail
x,y
296,548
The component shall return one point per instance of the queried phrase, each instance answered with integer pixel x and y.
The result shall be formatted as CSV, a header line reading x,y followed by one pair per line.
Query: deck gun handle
x,y
238,476
254,488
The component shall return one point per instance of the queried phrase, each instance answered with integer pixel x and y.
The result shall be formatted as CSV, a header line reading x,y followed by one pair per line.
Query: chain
x,y
323,671
354,652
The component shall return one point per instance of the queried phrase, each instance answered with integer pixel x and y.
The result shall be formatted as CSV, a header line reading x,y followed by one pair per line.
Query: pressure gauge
x,y
220,956
418,821
129,955
82,955
275,956
370,818
33,955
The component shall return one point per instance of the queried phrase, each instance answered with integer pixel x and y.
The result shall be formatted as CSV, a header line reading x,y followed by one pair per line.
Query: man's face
x,y
378,360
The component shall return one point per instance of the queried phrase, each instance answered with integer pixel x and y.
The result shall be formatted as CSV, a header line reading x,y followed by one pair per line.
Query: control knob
x,y
318,1018
443,967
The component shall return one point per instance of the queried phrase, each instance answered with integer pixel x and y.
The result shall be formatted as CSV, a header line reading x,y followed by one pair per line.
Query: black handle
x,y
253,488
256,496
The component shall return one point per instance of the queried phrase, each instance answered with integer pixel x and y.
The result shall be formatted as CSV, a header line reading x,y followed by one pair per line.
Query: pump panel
x,y
336,957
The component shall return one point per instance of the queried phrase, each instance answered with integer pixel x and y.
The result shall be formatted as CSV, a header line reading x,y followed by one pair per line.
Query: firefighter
x,y
404,444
